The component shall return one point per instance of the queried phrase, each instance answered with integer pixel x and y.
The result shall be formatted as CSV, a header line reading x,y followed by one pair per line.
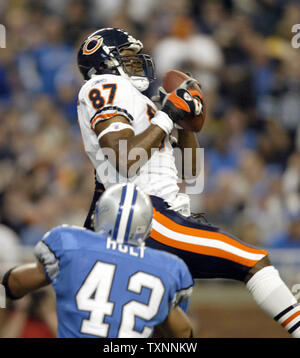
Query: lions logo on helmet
x,y
101,53
124,213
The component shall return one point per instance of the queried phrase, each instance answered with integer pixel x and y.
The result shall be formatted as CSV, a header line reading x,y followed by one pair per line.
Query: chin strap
x,y
140,83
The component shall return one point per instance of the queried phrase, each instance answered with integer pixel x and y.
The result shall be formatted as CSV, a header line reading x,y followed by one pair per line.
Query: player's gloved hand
x,y
181,101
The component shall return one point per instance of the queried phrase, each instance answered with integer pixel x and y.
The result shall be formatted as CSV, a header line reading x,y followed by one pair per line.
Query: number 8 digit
x,y
95,97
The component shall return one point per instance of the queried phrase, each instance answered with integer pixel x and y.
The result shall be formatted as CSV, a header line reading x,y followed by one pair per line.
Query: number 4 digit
x,y
102,276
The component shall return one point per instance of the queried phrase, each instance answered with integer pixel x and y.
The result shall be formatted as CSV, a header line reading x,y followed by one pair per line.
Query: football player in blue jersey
x,y
107,282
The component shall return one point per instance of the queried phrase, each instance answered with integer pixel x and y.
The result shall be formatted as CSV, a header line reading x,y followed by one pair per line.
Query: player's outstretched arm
x,y
176,325
24,279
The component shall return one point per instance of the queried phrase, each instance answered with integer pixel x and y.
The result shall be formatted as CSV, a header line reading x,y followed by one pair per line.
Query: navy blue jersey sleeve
x,y
48,251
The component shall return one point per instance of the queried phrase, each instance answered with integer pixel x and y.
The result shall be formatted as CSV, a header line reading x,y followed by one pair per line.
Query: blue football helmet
x,y
100,53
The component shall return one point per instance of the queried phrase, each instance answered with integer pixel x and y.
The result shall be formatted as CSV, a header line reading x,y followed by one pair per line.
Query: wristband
x,y
163,121
5,284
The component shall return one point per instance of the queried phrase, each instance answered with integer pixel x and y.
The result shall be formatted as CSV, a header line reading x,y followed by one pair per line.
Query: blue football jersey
x,y
105,289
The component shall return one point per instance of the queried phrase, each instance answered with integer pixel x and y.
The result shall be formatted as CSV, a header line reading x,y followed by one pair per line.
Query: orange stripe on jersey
x,y
170,224
288,320
204,250
103,116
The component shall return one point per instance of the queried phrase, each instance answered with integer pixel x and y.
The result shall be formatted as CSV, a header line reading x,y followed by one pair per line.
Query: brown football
x,y
171,80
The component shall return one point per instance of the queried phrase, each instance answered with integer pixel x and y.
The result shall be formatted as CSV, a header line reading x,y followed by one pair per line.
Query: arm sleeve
x,y
108,97
48,252
184,286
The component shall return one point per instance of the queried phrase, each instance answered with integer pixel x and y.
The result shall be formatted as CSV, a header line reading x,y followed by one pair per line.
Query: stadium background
x,y
242,54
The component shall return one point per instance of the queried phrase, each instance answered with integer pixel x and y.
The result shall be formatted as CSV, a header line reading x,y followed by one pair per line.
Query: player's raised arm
x,y
176,325
179,83
110,132
150,138
188,139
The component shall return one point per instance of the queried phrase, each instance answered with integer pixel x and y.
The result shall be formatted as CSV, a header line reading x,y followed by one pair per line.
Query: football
x,y
171,80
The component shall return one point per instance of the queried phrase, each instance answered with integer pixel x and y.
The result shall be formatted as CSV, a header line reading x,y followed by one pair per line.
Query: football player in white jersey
x,y
128,139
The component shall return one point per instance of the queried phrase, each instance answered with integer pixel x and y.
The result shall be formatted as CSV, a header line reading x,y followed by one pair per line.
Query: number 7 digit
x,y
112,87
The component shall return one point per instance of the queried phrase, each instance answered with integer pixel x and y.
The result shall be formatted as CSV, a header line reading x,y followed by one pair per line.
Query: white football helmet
x,y
124,213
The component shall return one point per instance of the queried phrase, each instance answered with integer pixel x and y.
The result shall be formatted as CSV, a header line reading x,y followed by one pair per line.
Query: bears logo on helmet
x,y
92,44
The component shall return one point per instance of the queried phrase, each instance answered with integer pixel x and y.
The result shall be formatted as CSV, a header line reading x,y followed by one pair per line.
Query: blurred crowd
x,y
241,53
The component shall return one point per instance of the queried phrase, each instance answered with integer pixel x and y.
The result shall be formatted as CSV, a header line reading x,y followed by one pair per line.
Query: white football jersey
x,y
105,96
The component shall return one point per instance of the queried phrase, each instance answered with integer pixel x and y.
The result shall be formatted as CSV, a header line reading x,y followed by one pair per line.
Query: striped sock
x,y
290,319
273,296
